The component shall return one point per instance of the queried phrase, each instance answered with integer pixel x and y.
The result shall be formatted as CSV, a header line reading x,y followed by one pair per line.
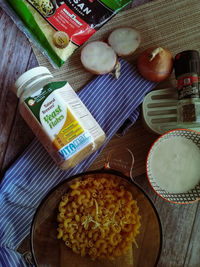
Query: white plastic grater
x,y
159,110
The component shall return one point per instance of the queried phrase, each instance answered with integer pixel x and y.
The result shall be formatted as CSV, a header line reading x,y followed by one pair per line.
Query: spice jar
x,y
187,68
58,117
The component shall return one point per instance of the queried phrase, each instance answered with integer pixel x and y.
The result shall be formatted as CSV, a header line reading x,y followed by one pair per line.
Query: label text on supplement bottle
x,y
52,107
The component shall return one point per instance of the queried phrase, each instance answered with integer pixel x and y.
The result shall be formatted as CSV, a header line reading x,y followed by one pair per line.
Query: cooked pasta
x,y
44,6
98,217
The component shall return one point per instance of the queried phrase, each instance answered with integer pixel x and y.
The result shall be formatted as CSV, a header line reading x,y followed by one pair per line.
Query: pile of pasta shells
x,y
98,217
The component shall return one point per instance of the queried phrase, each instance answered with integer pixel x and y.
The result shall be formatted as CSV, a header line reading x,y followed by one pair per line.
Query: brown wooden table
x,y
180,223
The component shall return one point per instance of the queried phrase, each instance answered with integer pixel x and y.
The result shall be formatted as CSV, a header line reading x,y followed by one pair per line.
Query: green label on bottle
x,y
35,101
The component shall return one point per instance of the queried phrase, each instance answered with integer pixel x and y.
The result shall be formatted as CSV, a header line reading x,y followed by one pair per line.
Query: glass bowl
x,y
47,250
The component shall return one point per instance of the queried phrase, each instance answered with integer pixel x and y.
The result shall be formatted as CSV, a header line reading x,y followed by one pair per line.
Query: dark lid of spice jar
x,y
187,62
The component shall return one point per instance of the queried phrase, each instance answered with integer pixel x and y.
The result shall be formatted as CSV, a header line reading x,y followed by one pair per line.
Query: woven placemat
x,y
173,24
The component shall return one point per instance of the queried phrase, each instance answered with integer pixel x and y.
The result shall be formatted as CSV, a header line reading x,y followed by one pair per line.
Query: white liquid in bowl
x,y
175,164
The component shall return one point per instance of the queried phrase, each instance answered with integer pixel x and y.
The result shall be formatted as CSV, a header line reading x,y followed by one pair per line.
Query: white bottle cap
x,y
28,77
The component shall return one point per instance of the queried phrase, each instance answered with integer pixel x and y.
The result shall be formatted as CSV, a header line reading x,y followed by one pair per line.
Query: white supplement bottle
x,y
58,117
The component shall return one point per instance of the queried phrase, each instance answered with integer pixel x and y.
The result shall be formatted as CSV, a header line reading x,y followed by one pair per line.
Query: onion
x,y
155,64
124,40
98,57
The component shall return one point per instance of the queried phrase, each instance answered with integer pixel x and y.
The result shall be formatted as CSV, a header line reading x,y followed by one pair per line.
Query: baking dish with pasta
x,y
93,223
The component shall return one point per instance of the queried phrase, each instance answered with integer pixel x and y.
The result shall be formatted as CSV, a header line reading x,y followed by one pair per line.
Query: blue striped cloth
x,y
111,102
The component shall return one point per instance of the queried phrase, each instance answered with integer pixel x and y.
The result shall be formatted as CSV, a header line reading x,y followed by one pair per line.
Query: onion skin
x,y
155,64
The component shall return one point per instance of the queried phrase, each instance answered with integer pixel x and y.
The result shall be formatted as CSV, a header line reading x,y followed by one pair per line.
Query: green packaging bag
x,y
58,27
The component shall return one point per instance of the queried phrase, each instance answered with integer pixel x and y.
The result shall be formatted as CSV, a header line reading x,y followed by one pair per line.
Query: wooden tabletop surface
x,y
180,223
